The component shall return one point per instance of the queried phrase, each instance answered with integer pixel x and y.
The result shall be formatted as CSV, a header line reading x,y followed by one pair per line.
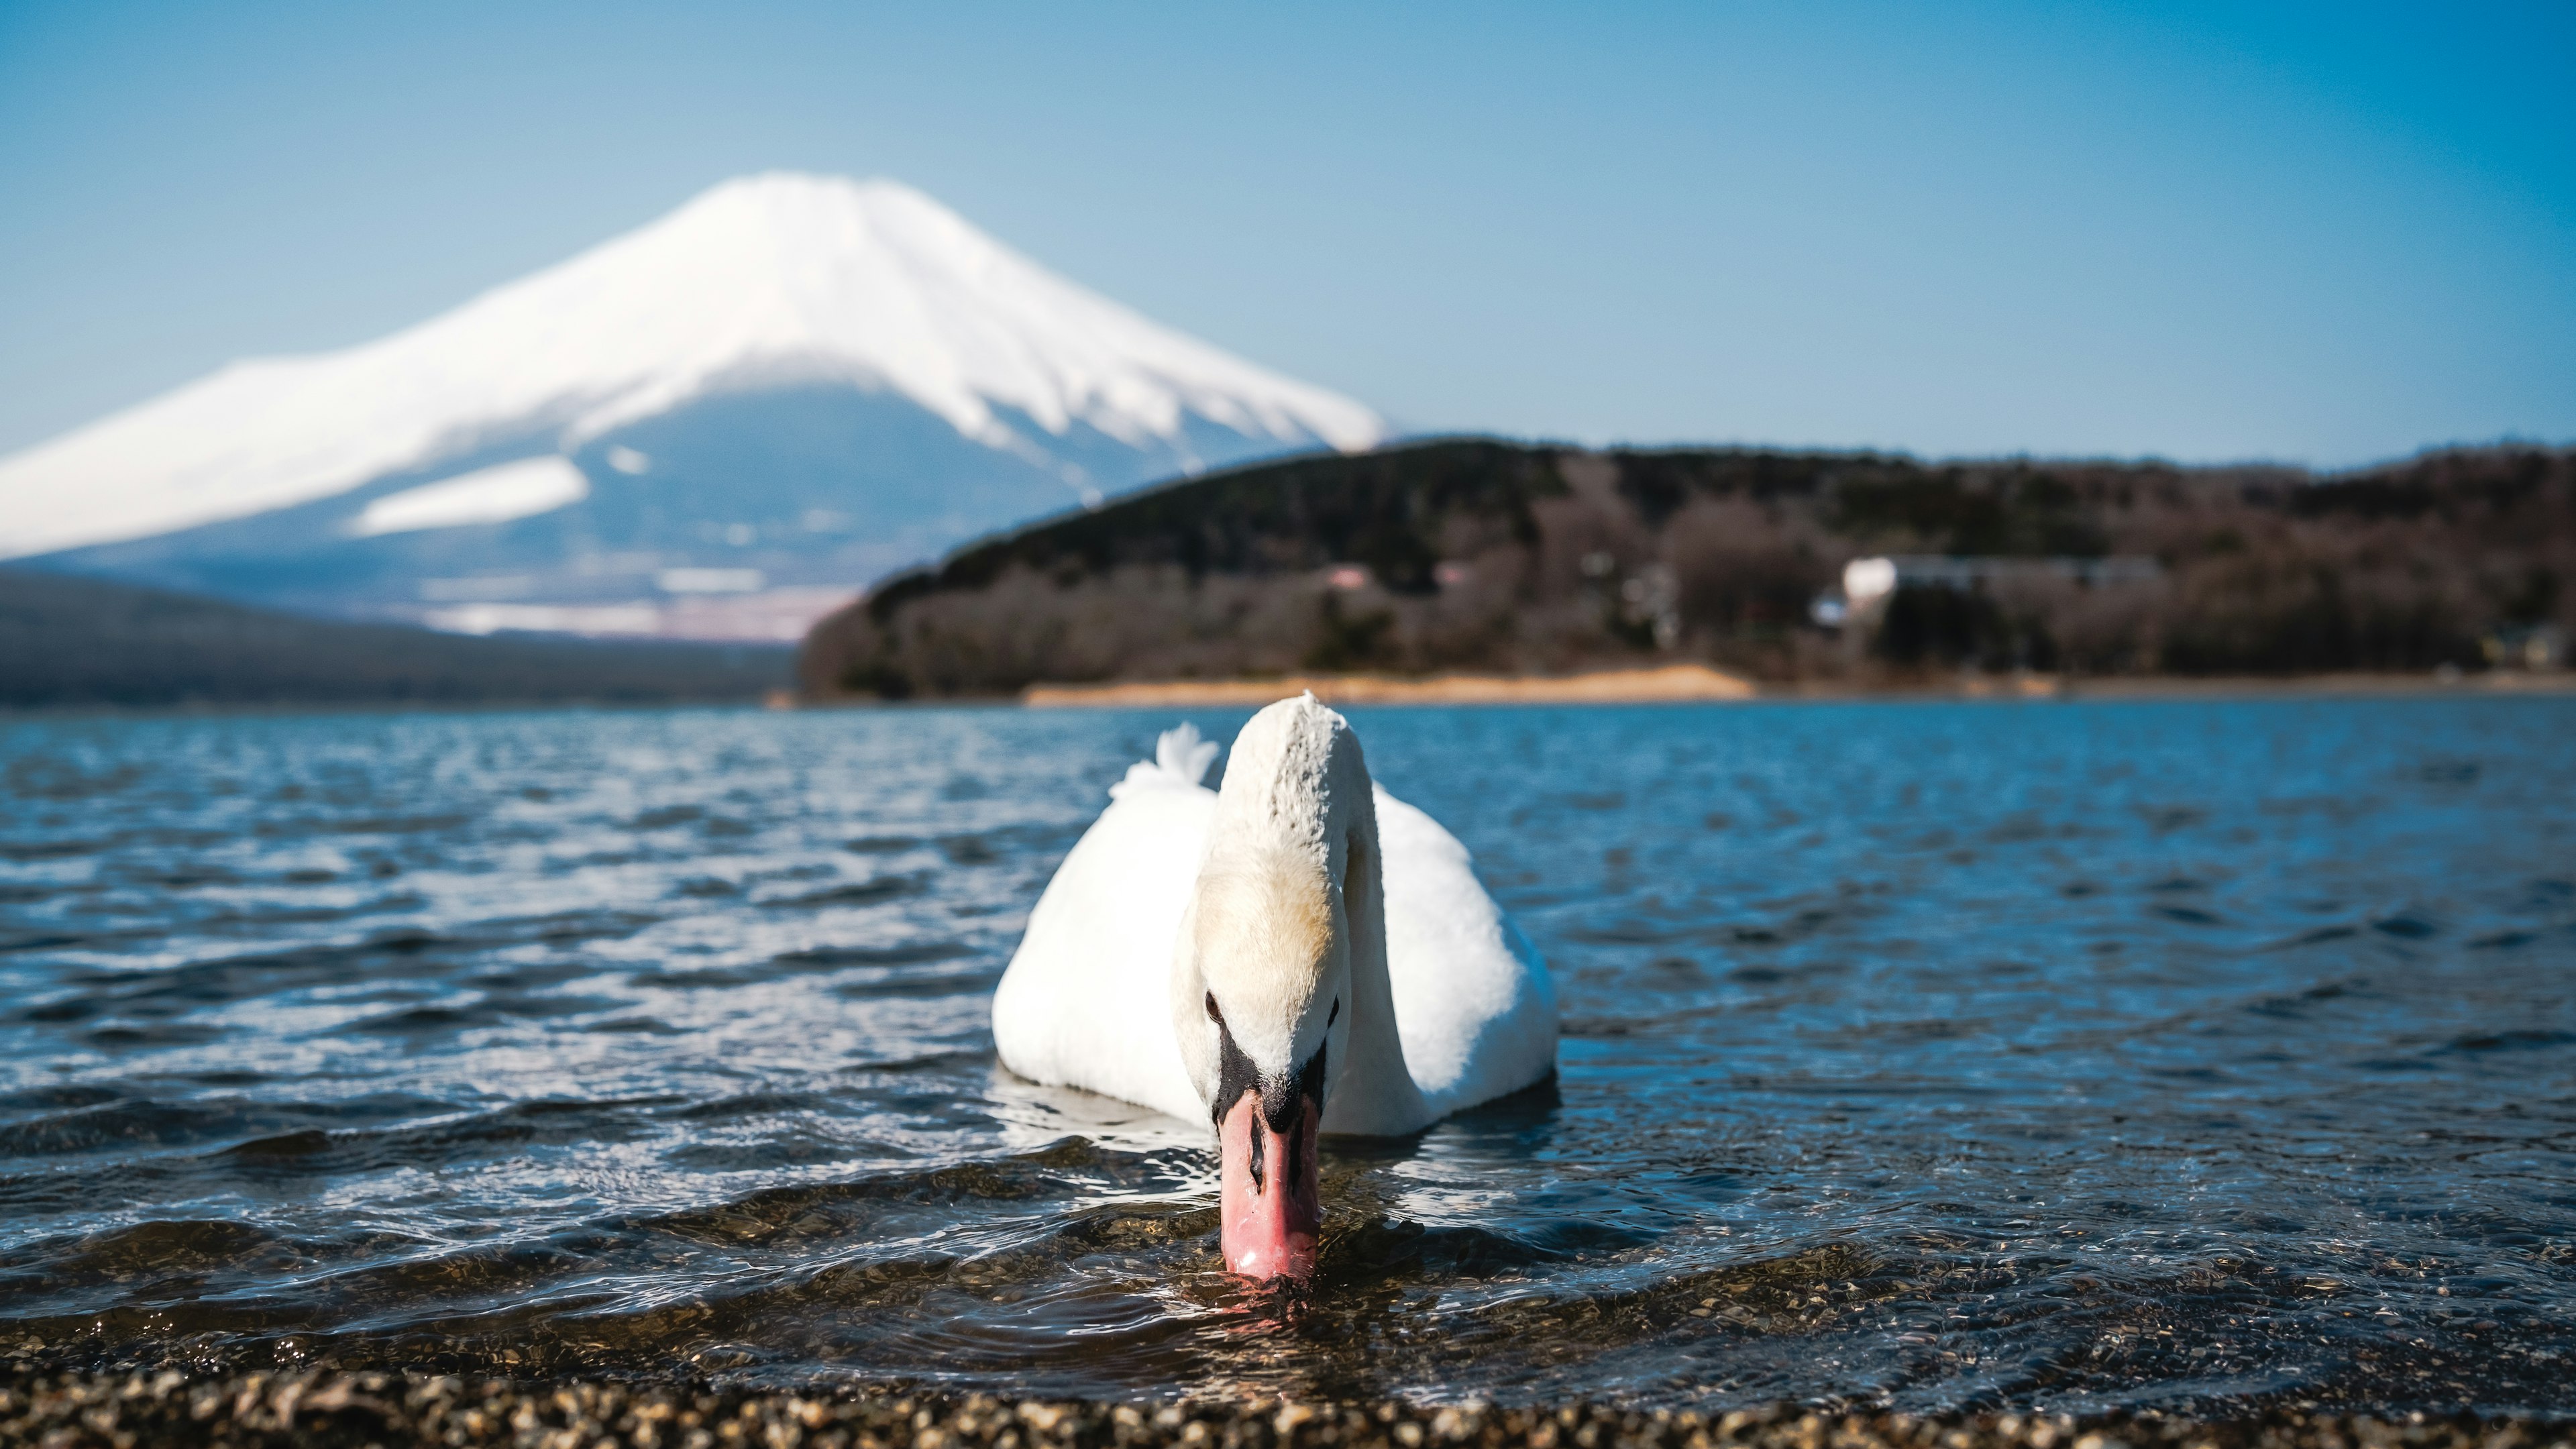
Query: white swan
x,y
1296,949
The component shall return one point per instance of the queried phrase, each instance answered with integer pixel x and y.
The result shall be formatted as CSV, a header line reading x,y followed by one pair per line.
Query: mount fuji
x,y
716,425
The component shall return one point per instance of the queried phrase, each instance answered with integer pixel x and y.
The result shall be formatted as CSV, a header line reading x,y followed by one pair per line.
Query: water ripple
x,y
2152,1055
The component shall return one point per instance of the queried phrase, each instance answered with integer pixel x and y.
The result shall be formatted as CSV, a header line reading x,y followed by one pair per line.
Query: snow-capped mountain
x,y
792,383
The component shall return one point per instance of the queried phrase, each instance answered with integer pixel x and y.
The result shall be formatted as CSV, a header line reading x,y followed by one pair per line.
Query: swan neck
x,y
1375,1092
1297,816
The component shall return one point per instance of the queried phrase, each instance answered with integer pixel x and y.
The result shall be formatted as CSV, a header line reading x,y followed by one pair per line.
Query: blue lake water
x,y
2178,1054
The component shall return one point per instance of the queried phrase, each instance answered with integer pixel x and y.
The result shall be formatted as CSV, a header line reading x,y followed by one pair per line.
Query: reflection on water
x,y
2157,1054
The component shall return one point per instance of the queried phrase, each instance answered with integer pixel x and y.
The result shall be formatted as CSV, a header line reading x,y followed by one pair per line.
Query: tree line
x,y
1481,555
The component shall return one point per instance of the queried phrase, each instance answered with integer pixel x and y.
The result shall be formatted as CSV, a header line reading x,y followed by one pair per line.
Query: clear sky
x,y
2330,234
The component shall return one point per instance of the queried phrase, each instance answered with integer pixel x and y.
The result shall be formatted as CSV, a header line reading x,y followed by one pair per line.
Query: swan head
x,y
1260,1006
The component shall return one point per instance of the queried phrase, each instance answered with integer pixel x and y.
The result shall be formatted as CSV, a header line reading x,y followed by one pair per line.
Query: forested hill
x,y
1474,554
80,641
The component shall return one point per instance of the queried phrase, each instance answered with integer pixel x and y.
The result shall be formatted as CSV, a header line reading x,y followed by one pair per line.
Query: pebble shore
x,y
69,1411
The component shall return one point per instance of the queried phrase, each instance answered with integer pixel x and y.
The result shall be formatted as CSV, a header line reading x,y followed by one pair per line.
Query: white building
x,y
1868,582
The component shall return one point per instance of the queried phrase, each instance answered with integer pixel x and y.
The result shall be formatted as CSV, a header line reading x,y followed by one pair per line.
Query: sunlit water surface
x,y
2168,1054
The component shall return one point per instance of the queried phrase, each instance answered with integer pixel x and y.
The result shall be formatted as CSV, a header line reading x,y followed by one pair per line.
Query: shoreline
x,y
1680,684
322,1407
1700,684
1674,682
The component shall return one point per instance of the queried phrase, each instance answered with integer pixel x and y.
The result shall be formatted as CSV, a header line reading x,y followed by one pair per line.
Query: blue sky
x,y
2328,234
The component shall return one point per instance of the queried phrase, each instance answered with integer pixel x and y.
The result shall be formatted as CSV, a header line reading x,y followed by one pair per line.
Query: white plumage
x,y
1086,1001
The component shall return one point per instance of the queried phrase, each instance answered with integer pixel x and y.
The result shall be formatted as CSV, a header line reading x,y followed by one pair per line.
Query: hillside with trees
x,y
1480,555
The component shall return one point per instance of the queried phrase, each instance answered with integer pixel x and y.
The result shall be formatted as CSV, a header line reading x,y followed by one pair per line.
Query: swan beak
x,y
1270,1201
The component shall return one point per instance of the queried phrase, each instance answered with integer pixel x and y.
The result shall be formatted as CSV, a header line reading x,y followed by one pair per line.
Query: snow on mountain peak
x,y
762,281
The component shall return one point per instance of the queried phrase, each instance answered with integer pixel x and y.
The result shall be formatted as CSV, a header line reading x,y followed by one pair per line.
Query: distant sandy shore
x,y
2502,681
1609,686
1696,682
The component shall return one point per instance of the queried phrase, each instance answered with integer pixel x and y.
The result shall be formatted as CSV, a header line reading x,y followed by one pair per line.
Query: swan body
x,y
1178,892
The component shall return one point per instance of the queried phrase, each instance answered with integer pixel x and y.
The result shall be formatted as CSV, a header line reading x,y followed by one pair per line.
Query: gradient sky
x,y
2328,234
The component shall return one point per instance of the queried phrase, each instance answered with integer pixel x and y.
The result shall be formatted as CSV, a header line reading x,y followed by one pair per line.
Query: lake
x,y
2170,1054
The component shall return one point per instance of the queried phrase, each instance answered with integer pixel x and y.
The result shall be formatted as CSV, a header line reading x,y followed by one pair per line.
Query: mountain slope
x,y
940,384
74,641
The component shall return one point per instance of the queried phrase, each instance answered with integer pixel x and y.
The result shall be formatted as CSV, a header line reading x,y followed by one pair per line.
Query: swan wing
x,y
1086,1001
1473,1001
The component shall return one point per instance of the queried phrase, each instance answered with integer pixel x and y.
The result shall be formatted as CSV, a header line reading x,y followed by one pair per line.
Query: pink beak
x,y
1269,1203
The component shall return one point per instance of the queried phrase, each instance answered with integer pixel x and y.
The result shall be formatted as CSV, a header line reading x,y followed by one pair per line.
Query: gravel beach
x,y
62,1411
